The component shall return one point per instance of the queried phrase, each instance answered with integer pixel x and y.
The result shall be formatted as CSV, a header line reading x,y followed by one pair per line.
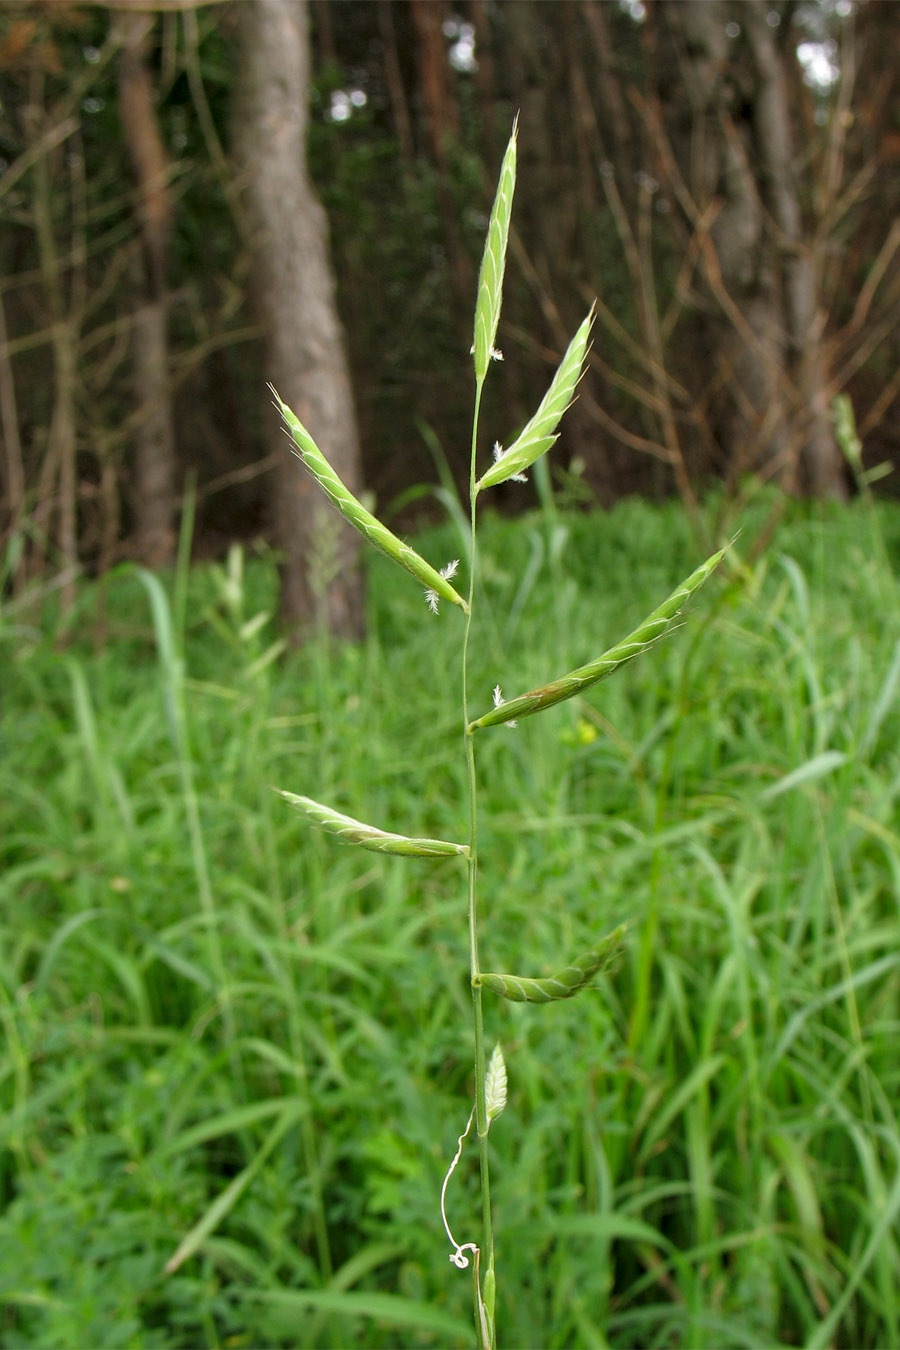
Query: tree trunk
x,y
441,115
768,339
294,292
822,465
154,442
719,161
13,464
393,79
66,306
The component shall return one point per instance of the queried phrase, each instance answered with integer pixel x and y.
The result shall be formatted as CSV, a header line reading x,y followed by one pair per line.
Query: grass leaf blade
x,y
808,772
228,1198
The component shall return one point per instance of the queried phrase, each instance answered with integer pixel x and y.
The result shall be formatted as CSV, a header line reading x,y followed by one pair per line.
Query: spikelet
x,y
495,1084
356,514
352,831
654,627
565,983
493,264
540,433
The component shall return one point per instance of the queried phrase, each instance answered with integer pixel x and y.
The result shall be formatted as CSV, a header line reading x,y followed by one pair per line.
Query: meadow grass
x,y
234,1055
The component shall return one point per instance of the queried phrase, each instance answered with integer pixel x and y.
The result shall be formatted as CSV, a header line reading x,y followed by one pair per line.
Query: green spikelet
x,y
352,831
540,433
654,627
495,1085
565,983
493,263
356,514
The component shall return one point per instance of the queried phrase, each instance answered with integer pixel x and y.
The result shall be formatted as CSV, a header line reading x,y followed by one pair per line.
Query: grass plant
x,y
529,446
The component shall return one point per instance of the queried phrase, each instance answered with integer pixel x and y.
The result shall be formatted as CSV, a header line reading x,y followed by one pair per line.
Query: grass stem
x,y
481,1118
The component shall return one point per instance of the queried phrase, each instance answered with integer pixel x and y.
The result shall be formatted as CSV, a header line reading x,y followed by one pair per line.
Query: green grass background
x,y
239,1050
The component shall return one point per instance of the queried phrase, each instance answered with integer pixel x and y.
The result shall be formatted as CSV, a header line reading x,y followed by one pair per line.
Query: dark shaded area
x,y
648,178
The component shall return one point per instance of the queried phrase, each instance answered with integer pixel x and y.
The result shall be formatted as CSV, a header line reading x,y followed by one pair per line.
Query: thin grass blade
x,y
809,772
654,627
229,1122
367,1306
367,836
884,702
356,514
228,1198
493,263
540,433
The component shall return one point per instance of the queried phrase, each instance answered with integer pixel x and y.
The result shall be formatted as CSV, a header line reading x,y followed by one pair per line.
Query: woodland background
x,y
723,177
235,1060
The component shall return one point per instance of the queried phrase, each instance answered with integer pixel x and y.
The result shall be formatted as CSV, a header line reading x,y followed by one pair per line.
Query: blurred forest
x,y
723,177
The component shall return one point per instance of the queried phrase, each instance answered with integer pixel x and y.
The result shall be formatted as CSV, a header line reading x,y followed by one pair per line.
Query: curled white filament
x,y
457,1256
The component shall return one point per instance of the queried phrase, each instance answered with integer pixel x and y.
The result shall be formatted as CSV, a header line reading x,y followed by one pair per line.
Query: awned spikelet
x,y
566,982
493,264
654,627
367,836
356,514
540,433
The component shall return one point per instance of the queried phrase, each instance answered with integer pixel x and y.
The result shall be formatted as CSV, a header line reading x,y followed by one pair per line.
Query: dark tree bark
x,y
12,469
154,445
64,292
441,115
821,460
294,293
394,82
742,156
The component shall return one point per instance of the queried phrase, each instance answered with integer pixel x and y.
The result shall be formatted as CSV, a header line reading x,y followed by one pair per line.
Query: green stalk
x,y
481,1118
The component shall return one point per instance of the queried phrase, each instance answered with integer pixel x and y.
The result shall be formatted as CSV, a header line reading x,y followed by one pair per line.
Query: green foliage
x,y
733,1168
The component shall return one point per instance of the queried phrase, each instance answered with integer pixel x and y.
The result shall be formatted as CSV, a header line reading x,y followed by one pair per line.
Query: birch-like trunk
x,y
294,293
742,156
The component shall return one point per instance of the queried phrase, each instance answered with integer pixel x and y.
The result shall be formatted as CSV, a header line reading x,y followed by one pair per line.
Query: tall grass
x,y
725,1171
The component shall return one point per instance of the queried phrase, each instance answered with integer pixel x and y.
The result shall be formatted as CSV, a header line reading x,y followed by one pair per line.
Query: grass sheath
x,y
537,437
